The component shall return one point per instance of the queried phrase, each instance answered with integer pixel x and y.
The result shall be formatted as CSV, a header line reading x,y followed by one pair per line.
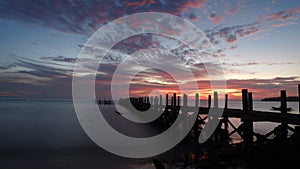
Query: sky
x,y
256,42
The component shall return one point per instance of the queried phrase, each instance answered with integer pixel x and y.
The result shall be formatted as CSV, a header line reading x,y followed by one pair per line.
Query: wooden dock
x,y
247,115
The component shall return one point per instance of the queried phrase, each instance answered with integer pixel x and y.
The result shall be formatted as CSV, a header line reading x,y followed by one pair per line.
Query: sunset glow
x,y
257,43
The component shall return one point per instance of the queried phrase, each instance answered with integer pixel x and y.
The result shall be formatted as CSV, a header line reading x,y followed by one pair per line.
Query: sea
x,y
45,133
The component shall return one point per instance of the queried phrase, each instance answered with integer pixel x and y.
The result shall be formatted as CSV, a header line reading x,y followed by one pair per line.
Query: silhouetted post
x,y
178,100
216,105
250,101
248,125
216,100
151,100
156,100
167,99
174,99
160,100
209,101
299,97
250,122
284,112
197,100
226,111
148,100
185,100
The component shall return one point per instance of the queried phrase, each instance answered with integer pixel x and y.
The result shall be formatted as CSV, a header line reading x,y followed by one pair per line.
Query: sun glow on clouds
x,y
55,33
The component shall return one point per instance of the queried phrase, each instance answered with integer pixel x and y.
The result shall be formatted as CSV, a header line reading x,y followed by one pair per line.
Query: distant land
x,y
289,98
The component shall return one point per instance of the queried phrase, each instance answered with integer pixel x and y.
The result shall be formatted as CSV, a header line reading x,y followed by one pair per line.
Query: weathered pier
x,y
247,115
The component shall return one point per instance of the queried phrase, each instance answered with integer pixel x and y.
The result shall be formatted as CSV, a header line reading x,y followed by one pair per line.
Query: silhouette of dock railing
x,y
247,115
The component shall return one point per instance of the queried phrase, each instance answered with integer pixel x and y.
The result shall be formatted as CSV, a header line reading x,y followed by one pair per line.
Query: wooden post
x,y
185,100
245,99
284,112
216,105
250,101
178,100
248,125
167,99
226,107
174,99
148,100
160,100
156,100
216,100
299,97
209,101
197,100
151,100
250,122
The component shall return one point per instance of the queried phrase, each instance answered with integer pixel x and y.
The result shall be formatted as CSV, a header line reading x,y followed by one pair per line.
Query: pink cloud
x,y
284,24
281,16
215,18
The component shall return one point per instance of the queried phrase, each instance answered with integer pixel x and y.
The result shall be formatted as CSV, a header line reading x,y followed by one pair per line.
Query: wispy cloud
x,y
85,17
215,18
281,16
60,59
231,34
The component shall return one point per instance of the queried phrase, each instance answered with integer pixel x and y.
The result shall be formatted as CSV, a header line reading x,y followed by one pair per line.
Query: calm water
x,y
46,125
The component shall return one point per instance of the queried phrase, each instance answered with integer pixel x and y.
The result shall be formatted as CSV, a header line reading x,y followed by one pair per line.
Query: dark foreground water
x,y
46,134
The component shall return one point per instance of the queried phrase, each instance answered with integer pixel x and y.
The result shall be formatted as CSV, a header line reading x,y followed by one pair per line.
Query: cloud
x,y
8,94
6,66
230,34
60,59
216,19
259,63
241,64
233,46
85,17
280,16
260,88
278,25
